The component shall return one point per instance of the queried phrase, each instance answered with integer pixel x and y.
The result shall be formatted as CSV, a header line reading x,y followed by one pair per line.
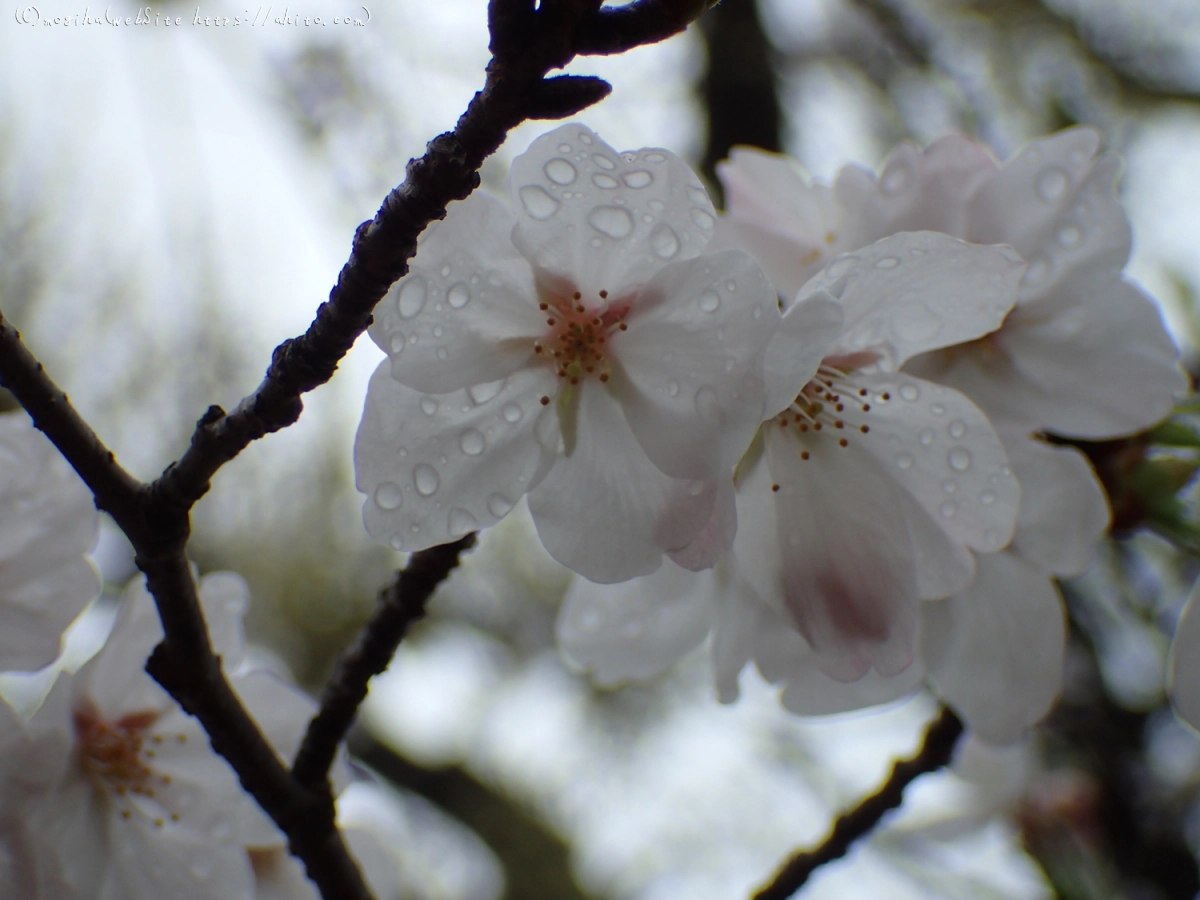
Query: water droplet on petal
x,y
482,393
560,171
438,331
499,505
1069,236
426,479
389,496
512,413
412,296
1052,184
887,262
639,179
429,406
663,242
655,158
949,486
904,461
656,205
607,182
708,405
537,202
987,498
603,161
910,392
471,442
459,296
612,221
926,437
564,148
959,459
991,538
1037,271
673,388
442,353
461,521
947,509
937,409
221,829
703,219
895,179
396,541
446,270
957,428
696,488
397,343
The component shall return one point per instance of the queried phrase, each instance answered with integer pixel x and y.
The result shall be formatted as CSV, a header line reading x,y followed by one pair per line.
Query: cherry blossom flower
x,y
1084,352
1183,665
47,523
111,791
581,351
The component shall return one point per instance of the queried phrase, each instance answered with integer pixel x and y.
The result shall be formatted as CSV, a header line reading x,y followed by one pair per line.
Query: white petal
x,y
636,630
224,597
800,341
35,613
602,220
716,538
1057,206
917,291
937,443
605,510
151,862
1183,665
1064,508
435,468
467,311
738,620
689,371
849,579
787,262
995,652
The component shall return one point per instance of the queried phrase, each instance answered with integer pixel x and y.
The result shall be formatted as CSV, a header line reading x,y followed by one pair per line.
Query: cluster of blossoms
x,y
107,788
828,408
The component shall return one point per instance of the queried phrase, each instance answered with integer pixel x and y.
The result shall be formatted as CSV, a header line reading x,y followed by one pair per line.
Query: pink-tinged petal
x,y
848,573
689,371
804,337
916,190
995,652
788,263
918,291
716,538
1064,508
604,510
636,630
1183,665
600,220
942,449
1055,202
436,468
467,312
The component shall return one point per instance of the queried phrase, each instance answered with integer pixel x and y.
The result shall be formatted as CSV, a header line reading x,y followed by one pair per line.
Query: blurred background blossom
x,y
175,202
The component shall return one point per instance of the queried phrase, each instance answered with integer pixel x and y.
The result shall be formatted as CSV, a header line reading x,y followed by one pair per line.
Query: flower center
x,y
117,757
577,336
832,404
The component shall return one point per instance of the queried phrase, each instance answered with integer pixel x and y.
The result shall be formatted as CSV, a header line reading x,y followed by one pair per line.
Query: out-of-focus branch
x,y
935,752
400,605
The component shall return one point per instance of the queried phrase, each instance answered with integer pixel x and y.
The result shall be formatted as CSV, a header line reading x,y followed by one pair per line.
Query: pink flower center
x,y
577,337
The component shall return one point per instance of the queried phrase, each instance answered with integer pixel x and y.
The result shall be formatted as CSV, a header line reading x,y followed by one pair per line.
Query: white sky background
x,y
164,194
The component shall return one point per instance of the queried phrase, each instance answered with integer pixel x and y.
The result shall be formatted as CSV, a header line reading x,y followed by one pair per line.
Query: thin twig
x,y
400,605
935,752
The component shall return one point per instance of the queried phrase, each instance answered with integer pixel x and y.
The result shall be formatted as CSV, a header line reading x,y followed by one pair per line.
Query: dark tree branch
x,y
935,752
400,605
612,30
527,44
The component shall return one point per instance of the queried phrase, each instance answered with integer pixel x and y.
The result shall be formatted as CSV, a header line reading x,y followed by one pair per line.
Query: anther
x,y
804,454
545,401
604,376
864,428
623,327
604,295
839,424
577,295
543,306
775,487
843,443
885,396
550,322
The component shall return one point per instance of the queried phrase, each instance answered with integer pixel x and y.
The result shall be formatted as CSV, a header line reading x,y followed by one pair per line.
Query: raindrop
x,y
201,869
438,331
991,537
441,353
709,301
412,297
656,205
425,477
446,270
461,521
482,393
603,161
471,442
957,428
564,148
1052,184
987,498
560,171
663,242
389,496
949,486
947,509
639,179
596,242
703,219
397,342
221,830
910,392
1069,236
499,505
512,413
731,285
708,405
429,406
607,182
584,137
612,221
537,202
959,459
1037,271
895,180
396,541
841,266
696,488
937,409
904,461
925,437
887,262
459,296
655,158
698,196
673,388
